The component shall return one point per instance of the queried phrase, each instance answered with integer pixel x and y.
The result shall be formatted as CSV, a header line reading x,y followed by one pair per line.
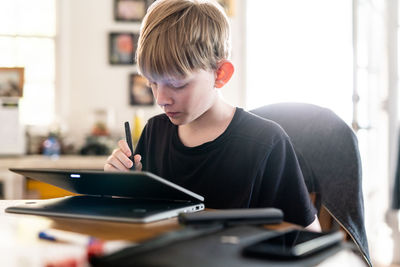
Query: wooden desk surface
x,y
21,231
136,232
32,224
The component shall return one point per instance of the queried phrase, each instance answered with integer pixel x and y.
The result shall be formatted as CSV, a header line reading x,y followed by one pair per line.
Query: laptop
x,y
135,196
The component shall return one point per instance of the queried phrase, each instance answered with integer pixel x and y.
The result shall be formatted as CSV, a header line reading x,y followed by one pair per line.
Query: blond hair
x,y
178,37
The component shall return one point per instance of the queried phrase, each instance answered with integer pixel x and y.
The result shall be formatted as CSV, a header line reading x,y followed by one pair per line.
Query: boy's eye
x,y
178,86
170,85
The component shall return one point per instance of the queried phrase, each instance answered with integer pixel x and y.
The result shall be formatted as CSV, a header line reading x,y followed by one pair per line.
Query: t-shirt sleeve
x,y
291,195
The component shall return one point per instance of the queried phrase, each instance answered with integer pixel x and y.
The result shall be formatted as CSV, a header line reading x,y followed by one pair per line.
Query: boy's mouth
x,y
172,114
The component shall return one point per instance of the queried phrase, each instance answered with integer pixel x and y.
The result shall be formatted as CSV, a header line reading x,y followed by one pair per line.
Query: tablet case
x,y
230,217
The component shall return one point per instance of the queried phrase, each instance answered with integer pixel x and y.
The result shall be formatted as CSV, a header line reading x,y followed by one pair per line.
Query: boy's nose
x,y
162,96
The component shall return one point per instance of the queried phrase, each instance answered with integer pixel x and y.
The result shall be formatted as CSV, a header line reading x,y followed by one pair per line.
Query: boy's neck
x,y
208,126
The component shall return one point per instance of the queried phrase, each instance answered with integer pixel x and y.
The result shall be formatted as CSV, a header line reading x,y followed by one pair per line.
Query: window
x,y
300,51
27,39
303,51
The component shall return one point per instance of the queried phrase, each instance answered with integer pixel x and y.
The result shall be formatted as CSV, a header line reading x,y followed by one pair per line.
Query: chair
x,y
327,150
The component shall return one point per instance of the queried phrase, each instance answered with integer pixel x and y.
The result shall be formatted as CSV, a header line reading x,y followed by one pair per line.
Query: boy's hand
x,y
120,161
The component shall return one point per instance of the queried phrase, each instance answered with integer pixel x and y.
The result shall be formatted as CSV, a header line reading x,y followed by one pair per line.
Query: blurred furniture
x,y
327,150
14,185
12,133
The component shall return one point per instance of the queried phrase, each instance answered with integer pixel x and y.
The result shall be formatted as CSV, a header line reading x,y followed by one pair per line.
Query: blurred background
x,y
68,81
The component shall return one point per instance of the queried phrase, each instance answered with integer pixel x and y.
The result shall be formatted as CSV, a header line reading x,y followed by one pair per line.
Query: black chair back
x,y
327,150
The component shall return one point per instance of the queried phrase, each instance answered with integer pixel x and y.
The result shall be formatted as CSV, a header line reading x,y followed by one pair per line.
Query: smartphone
x,y
293,244
233,216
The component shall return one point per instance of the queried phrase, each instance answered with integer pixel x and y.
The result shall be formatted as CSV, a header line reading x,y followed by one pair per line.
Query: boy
x,y
231,157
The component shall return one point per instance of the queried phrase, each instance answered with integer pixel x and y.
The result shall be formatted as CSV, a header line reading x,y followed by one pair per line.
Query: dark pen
x,y
128,137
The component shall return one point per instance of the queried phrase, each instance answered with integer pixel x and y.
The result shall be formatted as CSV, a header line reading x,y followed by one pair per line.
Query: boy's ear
x,y
223,73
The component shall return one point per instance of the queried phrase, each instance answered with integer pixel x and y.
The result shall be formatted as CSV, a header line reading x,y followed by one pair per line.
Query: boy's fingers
x,y
120,156
137,158
119,160
115,163
123,145
110,167
138,164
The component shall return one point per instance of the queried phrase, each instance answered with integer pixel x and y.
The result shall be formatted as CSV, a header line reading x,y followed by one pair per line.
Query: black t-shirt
x,y
252,164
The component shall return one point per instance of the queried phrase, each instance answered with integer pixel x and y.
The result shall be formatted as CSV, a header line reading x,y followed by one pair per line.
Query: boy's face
x,y
185,100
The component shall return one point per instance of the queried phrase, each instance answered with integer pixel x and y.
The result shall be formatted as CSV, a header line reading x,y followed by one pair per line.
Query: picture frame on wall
x,y
11,82
122,48
130,10
140,93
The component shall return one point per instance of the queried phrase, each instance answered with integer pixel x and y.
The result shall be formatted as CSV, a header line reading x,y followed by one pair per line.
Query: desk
x,y
21,247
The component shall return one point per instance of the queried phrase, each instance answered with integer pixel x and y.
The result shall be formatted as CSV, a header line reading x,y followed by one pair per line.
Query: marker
x,y
94,246
128,137
67,237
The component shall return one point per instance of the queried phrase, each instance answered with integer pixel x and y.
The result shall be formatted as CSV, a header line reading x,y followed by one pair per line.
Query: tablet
x,y
129,210
133,196
132,184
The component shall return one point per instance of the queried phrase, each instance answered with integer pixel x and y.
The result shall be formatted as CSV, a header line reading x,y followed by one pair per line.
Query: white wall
x,y
85,79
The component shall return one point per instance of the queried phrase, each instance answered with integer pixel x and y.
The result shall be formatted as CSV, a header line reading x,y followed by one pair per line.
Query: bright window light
x,y
300,51
27,39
